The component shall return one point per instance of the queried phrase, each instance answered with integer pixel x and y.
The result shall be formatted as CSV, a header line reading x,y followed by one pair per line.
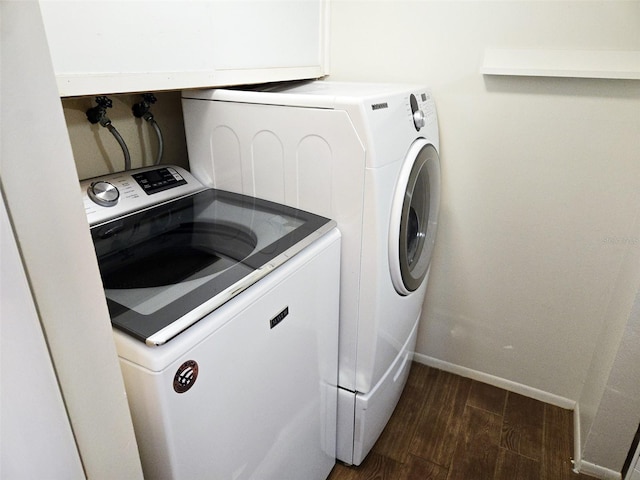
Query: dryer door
x,y
414,217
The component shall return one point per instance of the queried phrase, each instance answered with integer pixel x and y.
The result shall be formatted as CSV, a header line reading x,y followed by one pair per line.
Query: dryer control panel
x,y
418,115
422,110
118,194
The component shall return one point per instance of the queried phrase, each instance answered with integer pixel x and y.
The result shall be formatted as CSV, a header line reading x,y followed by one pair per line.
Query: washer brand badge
x,y
186,376
278,318
379,106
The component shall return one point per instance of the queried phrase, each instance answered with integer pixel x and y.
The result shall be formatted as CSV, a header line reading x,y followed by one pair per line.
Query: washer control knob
x,y
418,119
103,193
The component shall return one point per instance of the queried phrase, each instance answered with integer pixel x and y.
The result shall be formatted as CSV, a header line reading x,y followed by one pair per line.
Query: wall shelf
x,y
619,65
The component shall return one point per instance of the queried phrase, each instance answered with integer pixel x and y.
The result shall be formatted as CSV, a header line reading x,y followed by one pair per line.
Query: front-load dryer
x,y
365,155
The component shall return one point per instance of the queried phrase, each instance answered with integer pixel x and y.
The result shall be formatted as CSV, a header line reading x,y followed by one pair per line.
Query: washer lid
x,y
414,217
166,267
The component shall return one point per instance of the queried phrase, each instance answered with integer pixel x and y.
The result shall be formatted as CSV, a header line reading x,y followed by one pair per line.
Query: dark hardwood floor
x,y
447,427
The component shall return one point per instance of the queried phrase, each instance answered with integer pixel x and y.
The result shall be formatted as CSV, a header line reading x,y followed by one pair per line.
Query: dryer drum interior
x,y
418,220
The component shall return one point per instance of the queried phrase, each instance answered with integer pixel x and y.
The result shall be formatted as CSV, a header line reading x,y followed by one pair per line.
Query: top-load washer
x,y
225,315
367,156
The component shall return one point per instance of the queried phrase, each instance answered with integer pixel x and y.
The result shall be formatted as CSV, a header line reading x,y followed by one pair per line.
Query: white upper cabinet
x,y
111,46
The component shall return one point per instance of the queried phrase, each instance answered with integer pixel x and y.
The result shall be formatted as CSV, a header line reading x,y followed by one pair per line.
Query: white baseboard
x,y
546,397
503,383
597,471
577,441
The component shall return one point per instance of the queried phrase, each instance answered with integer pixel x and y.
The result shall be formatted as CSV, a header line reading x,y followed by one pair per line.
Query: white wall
x,y
611,411
531,280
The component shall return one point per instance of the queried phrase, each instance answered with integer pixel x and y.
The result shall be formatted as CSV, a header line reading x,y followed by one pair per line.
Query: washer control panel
x,y
118,194
154,181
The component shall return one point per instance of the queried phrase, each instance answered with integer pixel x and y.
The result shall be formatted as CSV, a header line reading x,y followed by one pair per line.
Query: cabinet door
x,y
109,46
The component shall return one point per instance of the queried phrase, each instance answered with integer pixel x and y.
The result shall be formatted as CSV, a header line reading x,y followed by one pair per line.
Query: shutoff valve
x,y
98,114
141,109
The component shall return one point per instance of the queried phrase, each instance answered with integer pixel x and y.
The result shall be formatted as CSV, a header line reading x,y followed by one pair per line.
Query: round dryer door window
x,y
414,217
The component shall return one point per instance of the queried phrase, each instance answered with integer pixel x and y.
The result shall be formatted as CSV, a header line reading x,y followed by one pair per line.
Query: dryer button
x,y
417,114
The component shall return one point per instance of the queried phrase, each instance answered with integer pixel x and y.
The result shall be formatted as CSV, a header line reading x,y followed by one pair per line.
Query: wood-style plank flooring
x,y
447,427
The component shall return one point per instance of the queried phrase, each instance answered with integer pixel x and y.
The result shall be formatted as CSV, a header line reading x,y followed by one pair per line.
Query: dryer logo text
x,y
379,106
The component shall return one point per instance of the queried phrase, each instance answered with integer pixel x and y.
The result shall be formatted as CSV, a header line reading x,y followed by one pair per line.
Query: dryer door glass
x,y
415,218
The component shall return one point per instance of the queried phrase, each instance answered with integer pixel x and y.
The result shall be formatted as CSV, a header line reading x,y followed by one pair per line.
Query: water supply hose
x,y
142,110
98,114
118,137
149,118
